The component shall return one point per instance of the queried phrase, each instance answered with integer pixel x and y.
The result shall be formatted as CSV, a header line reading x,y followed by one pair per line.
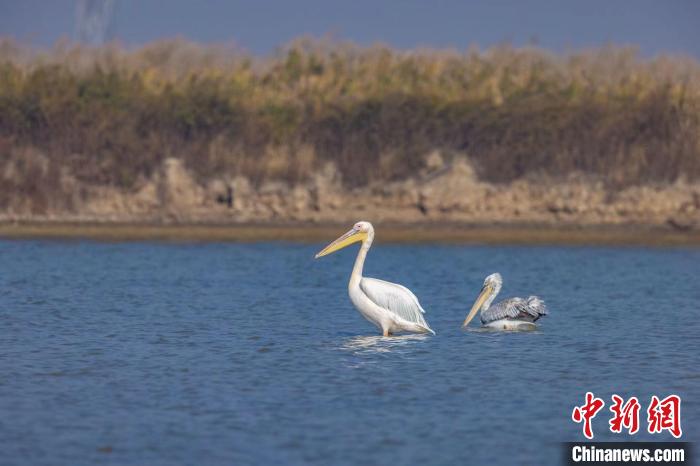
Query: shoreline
x,y
441,233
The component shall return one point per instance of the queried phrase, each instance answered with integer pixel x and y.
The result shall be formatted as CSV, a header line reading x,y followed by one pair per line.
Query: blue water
x,y
253,354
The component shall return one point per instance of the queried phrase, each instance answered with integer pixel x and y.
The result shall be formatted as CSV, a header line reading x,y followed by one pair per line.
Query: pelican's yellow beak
x,y
352,236
485,292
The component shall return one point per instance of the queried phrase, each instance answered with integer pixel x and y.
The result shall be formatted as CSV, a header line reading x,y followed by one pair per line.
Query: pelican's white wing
x,y
395,298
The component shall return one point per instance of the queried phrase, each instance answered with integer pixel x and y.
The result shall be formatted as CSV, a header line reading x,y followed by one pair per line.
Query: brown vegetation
x,y
74,118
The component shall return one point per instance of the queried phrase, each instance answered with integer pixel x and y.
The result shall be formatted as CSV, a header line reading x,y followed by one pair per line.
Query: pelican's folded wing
x,y
529,309
395,298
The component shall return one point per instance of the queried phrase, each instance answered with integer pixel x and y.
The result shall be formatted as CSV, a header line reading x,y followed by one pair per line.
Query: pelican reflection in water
x,y
379,344
509,314
391,307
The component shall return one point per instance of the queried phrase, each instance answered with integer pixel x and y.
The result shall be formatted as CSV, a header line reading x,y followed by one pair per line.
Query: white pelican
x,y
509,314
391,307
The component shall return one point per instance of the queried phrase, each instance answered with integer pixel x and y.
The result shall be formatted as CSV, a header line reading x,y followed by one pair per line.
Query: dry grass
x,y
110,115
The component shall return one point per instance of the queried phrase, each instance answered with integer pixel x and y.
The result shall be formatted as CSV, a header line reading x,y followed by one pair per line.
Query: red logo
x,y
661,415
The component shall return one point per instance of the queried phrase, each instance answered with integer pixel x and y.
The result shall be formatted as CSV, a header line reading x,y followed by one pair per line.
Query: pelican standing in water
x,y
509,314
391,307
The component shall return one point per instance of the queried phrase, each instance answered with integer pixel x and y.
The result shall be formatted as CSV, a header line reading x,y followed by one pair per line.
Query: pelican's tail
x,y
424,325
537,305
420,328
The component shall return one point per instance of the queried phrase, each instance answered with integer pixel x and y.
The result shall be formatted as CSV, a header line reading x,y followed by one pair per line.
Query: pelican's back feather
x,y
394,298
529,310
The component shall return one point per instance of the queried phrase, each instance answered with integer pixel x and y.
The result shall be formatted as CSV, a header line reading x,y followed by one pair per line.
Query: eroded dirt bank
x,y
439,195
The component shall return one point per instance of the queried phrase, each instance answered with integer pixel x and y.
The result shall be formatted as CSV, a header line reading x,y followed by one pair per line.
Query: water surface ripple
x,y
148,353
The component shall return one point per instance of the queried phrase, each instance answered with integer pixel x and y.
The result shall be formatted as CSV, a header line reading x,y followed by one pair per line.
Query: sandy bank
x,y
443,194
387,233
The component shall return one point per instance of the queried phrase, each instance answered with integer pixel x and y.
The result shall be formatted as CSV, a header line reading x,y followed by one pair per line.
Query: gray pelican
x,y
391,307
509,314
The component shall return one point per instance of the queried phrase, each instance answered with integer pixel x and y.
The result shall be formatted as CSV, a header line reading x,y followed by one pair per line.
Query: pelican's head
x,y
359,232
492,285
494,281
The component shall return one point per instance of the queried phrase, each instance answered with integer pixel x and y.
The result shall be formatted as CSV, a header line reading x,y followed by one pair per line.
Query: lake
x,y
213,353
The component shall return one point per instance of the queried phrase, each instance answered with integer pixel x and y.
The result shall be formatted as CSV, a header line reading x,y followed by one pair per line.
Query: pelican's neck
x,y
356,275
489,300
